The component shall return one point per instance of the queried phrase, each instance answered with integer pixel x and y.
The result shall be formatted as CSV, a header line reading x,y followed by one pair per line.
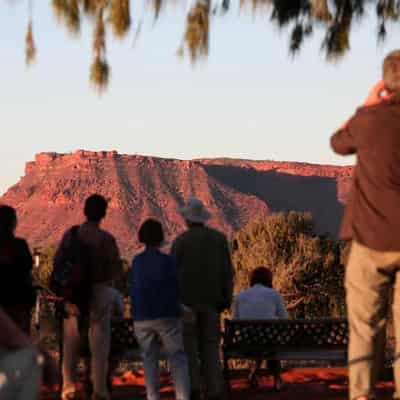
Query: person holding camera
x,y
372,222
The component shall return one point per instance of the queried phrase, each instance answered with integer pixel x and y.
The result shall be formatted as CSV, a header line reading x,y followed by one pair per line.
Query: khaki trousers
x,y
202,337
99,342
370,277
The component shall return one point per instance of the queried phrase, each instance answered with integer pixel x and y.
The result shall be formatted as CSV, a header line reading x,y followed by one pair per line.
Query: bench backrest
x,y
285,334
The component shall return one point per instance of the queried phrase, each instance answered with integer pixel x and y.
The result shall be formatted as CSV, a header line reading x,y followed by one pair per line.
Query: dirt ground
x,y
299,384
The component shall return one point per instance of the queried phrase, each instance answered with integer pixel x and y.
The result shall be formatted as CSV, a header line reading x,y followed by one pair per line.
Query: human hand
x,y
377,95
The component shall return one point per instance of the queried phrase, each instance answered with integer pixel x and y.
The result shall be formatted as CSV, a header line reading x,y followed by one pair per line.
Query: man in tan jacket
x,y
206,275
372,222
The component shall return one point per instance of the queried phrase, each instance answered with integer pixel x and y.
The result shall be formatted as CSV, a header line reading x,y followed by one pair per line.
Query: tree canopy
x,y
308,269
299,17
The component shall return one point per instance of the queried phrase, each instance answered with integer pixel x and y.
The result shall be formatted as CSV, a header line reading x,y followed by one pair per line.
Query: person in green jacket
x,y
206,278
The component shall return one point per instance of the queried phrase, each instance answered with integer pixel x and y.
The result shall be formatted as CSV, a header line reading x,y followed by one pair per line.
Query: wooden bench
x,y
300,340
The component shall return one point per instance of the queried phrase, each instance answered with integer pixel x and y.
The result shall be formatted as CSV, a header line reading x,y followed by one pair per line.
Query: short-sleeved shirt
x,y
104,250
259,302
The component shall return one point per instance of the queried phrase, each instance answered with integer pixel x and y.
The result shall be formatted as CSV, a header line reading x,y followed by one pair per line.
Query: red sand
x,y
299,384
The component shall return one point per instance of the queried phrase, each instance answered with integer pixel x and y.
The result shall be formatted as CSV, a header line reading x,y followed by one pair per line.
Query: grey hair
x,y
391,71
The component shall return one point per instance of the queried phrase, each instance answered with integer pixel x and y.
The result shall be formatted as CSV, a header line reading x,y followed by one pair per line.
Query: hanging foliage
x,y
285,11
120,17
335,17
337,40
197,30
99,74
68,13
100,70
320,10
30,48
91,7
99,39
157,4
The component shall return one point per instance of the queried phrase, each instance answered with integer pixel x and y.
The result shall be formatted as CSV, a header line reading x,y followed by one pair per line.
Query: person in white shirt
x,y
260,302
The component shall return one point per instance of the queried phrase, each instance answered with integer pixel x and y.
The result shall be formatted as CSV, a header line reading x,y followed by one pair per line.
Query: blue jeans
x,y
168,333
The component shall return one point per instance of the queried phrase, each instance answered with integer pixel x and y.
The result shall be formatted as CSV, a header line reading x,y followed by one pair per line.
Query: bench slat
x,y
325,333
303,355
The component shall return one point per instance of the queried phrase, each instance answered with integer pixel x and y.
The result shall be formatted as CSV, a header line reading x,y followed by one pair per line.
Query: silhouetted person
x,y
206,275
372,222
105,262
17,296
157,312
260,302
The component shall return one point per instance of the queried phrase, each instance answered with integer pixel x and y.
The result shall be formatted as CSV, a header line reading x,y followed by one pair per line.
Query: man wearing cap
x,y
372,222
206,274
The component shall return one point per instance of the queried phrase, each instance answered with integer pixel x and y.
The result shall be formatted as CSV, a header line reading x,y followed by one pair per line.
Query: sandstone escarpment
x,y
49,198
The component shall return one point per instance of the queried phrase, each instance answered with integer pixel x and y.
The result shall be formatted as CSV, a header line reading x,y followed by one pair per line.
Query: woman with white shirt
x,y
259,302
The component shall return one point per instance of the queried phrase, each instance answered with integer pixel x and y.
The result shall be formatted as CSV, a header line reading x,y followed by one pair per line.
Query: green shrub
x,y
308,269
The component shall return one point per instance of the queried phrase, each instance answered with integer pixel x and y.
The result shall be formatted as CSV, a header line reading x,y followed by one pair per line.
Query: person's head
x,y
8,220
261,276
195,213
151,233
391,71
95,208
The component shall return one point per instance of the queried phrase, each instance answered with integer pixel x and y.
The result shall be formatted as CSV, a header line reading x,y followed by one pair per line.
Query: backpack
x,y
71,276
16,284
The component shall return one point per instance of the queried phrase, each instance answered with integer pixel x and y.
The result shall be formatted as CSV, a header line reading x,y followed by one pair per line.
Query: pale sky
x,y
248,100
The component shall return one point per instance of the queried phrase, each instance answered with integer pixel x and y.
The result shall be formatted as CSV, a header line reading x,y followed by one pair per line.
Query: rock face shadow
x,y
286,192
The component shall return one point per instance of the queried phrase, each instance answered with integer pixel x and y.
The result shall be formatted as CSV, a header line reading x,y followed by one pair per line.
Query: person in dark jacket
x,y
17,295
157,311
206,278
372,222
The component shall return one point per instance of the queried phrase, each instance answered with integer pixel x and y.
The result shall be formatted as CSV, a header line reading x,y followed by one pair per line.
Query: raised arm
x,y
343,142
